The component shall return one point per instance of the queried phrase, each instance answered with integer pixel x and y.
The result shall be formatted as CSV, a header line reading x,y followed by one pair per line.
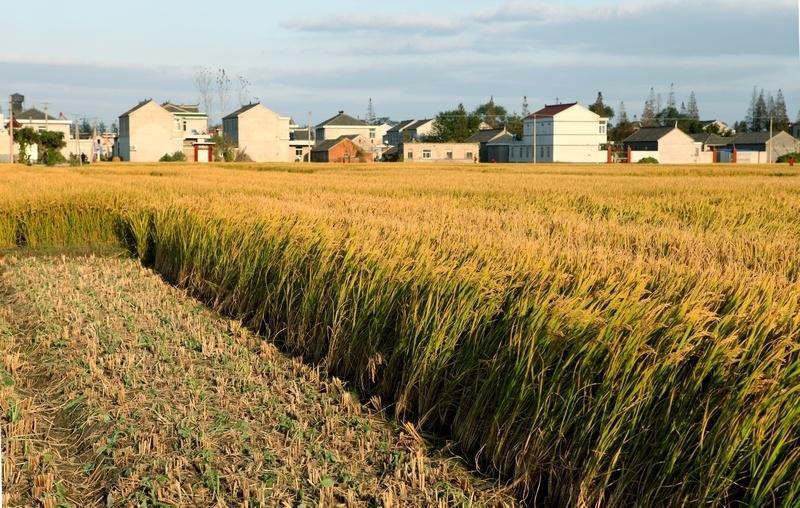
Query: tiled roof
x,y
417,125
326,145
181,108
342,119
138,106
646,134
241,110
552,110
485,136
401,126
710,139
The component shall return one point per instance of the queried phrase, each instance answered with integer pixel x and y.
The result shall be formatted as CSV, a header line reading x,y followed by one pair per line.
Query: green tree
x,y
760,118
51,143
492,113
624,127
649,113
514,125
26,138
600,108
780,117
455,126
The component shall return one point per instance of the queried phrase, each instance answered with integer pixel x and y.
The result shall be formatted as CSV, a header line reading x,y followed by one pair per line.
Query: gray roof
x,y
710,139
647,134
32,114
485,136
342,119
750,138
324,146
300,134
401,126
503,139
417,125
181,108
241,110
138,106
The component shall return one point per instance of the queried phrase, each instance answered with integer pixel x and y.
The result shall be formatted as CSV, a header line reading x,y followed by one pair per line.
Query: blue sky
x,y
413,58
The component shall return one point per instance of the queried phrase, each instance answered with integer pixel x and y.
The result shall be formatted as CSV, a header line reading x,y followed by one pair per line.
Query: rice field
x,y
599,336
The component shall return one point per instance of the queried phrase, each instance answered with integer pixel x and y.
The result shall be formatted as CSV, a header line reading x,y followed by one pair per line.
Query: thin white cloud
x,y
373,22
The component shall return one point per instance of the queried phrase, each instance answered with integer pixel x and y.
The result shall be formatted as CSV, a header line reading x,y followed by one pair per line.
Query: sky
x,y
412,58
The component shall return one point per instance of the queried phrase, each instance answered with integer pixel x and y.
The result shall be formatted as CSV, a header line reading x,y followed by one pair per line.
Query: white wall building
x,y
563,133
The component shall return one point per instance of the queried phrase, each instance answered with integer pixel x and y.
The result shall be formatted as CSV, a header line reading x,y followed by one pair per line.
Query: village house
x,y
344,125
147,132
758,147
41,121
563,133
300,144
667,145
260,133
500,139
341,150
439,152
395,134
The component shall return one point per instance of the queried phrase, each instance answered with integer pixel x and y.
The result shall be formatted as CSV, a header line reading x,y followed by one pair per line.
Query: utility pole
x,y
11,131
534,138
309,137
46,118
769,142
78,142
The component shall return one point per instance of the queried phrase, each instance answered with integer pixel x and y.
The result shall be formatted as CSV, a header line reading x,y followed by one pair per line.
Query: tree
x,y
25,137
51,143
491,113
760,114
203,82
455,126
740,127
751,112
779,116
692,110
624,127
85,128
114,127
600,108
101,127
514,125
671,102
649,113
244,91
223,91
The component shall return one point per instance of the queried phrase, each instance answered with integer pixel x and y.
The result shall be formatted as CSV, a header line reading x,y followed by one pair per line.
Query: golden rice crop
x,y
608,336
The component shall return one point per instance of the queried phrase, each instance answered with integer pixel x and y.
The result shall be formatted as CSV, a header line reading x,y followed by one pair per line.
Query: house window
x,y
184,126
410,155
469,156
449,156
372,134
541,151
549,152
298,151
426,154
602,128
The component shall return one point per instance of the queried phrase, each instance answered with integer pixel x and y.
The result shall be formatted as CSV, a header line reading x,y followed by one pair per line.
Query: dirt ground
x,y
116,389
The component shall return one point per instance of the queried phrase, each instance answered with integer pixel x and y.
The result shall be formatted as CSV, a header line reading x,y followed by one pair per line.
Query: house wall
x,y
147,134
186,124
783,143
677,148
574,135
264,135
336,131
462,152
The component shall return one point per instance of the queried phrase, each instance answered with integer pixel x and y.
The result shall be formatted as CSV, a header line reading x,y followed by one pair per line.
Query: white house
x,y
562,133
668,145
260,133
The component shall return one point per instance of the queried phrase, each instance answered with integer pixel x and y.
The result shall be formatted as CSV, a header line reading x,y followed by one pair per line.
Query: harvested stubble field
x,y
612,336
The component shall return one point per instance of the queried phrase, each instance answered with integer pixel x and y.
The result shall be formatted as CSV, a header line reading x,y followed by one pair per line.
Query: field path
x,y
117,390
